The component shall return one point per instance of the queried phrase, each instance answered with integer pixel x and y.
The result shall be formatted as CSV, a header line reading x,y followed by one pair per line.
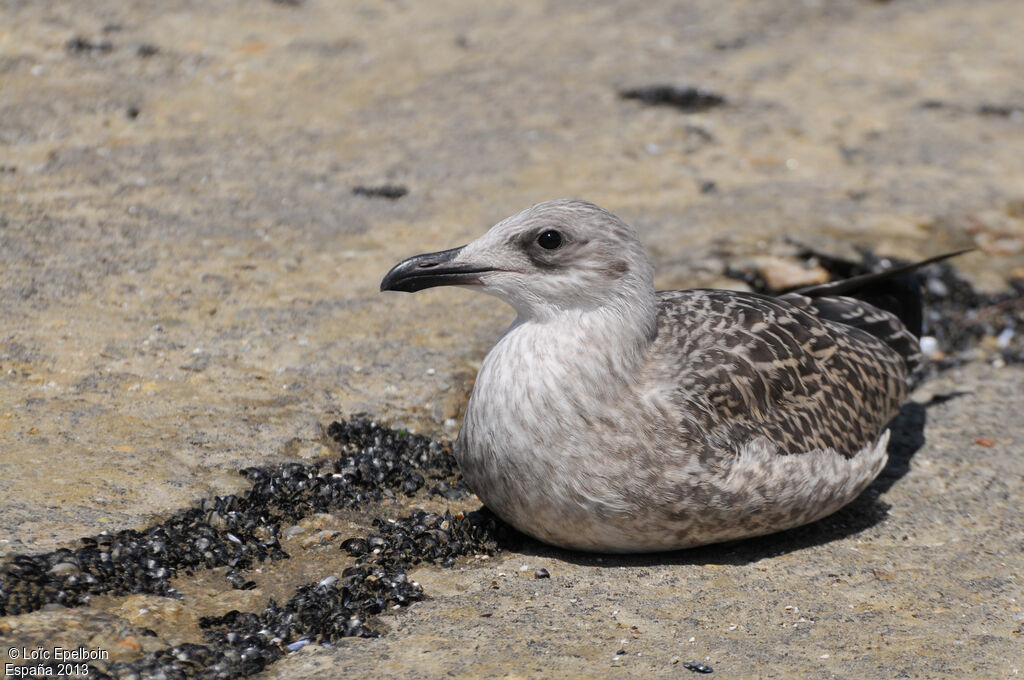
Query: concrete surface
x,y
919,578
188,285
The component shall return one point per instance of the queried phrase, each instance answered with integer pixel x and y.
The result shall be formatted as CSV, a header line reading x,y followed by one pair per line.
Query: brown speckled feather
x,y
751,365
854,313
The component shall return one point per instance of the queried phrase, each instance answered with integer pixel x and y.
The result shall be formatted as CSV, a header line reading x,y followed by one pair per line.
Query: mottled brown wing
x,y
752,365
859,314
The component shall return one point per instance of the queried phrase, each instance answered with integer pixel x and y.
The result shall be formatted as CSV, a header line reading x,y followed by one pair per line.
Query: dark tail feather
x,y
895,290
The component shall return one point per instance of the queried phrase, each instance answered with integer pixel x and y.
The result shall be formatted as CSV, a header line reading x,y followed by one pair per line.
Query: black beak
x,y
432,269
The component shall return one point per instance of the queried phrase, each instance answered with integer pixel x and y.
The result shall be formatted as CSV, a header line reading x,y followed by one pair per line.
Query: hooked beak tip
x,y
432,269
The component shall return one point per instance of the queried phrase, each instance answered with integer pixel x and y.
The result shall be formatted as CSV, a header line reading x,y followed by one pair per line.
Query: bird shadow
x,y
866,511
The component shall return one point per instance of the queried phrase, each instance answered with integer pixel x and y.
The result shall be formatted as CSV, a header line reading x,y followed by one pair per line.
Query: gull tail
x,y
895,290
886,304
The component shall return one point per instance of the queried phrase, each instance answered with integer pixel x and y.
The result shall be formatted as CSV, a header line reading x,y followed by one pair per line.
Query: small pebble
x,y
929,345
64,568
541,573
297,645
937,288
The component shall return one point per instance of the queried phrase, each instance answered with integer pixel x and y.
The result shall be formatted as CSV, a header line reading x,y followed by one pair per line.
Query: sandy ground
x,y
188,285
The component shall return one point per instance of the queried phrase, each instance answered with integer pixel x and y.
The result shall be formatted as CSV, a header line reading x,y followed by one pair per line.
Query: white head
x,y
554,257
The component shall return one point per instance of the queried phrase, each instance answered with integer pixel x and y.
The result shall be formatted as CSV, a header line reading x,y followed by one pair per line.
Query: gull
x,y
613,418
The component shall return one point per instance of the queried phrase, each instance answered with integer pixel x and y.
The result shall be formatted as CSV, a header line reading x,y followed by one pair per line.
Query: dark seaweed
x,y
685,98
80,45
959,317
697,667
389,191
235,530
244,643
375,462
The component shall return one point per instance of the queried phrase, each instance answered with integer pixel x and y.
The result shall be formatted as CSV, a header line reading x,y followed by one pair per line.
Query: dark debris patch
x,y
1001,110
990,110
396,460
240,644
697,667
80,45
961,319
685,98
433,538
389,191
145,561
375,464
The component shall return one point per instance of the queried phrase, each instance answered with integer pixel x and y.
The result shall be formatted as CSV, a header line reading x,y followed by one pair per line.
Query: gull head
x,y
553,257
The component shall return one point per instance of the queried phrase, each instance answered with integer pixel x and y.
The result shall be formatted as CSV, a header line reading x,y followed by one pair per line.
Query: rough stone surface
x,y
919,578
188,287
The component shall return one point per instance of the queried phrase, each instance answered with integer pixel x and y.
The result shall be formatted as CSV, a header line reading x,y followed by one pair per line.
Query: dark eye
x,y
550,239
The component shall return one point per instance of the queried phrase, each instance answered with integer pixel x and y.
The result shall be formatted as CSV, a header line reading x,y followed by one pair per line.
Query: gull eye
x,y
550,239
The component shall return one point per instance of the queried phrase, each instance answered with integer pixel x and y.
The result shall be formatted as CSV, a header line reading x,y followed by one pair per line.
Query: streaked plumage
x,y
613,418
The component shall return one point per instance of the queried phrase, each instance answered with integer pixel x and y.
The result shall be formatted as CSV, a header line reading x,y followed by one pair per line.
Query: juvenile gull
x,y
611,417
